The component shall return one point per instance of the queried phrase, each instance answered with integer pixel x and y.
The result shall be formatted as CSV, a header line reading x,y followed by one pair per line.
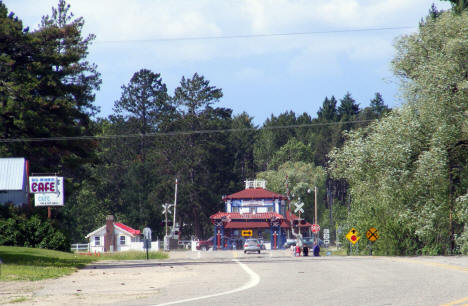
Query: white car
x,y
252,245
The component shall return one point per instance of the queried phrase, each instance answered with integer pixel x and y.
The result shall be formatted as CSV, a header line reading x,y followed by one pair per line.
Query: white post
x,y
175,206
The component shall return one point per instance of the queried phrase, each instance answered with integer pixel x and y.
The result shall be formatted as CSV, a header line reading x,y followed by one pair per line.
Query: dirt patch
x,y
101,283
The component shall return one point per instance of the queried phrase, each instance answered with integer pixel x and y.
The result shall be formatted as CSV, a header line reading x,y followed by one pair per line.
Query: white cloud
x,y
150,19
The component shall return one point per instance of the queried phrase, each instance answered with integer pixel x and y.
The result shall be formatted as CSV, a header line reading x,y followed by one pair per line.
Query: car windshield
x,y
251,242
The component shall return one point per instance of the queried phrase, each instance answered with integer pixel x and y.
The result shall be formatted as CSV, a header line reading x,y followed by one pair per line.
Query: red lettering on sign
x,y
52,186
40,187
34,187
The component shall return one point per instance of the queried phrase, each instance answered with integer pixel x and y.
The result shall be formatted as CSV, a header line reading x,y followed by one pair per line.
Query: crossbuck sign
x,y
166,208
299,207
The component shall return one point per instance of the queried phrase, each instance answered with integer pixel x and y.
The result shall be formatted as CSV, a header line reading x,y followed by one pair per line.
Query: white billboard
x,y
50,199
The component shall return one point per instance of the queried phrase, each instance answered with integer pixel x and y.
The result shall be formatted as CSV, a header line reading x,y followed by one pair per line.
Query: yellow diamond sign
x,y
372,234
353,236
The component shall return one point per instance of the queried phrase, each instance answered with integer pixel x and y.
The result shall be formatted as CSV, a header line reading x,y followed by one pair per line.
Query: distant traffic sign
x,y
247,233
353,236
315,228
372,234
326,236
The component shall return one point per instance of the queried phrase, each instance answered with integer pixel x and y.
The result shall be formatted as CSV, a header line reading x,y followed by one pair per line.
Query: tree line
x,y
402,170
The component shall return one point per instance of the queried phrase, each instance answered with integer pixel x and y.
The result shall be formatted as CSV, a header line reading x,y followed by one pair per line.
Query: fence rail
x,y
80,247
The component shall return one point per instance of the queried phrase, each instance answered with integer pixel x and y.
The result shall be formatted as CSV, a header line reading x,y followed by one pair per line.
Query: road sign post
x,y
326,237
353,237
147,240
372,235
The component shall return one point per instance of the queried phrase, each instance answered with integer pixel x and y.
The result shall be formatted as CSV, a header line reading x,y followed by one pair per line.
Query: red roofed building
x,y
114,236
256,211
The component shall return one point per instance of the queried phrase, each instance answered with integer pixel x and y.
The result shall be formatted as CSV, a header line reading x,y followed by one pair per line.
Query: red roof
x,y
236,215
247,225
255,193
127,228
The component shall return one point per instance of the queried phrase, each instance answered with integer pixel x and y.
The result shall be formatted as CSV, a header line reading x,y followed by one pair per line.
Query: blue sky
x,y
261,75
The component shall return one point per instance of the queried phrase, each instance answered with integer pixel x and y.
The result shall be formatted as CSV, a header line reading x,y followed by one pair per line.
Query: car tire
x,y
258,251
245,252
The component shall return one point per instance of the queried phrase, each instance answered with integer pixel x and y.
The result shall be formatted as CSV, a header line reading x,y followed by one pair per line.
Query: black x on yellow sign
x,y
372,234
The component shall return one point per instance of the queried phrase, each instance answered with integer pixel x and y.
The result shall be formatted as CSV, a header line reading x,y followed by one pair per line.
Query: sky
x,y
322,50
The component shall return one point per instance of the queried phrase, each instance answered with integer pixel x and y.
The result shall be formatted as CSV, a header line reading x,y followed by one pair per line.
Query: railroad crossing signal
x,y
299,207
372,234
353,236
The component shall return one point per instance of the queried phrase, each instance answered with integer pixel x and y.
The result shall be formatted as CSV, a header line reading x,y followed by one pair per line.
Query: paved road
x,y
271,278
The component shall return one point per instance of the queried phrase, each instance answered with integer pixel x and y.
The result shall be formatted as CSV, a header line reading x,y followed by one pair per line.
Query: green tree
x,y
328,111
144,102
293,151
348,109
272,136
242,143
458,6
378,106
302,178
47,89
201,161
408,172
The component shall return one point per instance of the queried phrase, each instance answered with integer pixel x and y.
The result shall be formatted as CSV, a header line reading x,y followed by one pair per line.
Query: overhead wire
x,y
176,133
261,35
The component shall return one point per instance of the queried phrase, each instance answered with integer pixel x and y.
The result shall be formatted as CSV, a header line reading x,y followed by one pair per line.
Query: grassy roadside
x,y
31,264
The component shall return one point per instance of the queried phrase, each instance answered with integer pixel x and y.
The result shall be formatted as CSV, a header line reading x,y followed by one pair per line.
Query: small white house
x,y
114,237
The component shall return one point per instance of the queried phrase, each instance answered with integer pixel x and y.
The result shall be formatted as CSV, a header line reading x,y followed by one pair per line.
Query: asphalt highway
x,y
234,278
269,278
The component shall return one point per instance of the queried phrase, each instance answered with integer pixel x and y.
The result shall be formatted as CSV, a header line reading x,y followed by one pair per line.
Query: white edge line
x,y
253,281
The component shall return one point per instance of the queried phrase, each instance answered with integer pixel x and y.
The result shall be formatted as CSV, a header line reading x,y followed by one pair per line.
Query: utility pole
x,y
175,207
316,220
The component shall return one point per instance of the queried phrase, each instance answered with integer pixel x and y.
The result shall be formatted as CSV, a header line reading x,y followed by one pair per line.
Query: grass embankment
x,y
35,264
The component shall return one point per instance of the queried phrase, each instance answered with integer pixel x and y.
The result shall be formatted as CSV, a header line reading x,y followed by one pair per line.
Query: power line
x,y
176,133
169,39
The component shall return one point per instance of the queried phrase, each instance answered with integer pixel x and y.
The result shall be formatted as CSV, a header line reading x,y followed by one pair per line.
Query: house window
x,y
97,240
253,210
235,209
270,208
122,240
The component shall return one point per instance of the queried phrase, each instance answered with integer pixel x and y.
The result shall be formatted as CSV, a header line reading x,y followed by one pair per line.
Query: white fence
x,y
80,247
133,246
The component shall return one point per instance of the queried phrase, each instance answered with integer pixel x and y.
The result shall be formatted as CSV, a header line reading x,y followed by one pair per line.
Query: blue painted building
x,y
253,212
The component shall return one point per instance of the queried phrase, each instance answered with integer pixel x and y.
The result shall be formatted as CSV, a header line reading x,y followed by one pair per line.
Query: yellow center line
x,y
457,302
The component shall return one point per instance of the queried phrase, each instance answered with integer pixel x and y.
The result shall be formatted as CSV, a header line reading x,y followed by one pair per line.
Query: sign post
x,y
326,237
147,241
353,237
166,210
372,235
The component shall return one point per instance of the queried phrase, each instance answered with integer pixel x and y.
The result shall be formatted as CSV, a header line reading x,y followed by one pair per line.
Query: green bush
x,y
18,230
